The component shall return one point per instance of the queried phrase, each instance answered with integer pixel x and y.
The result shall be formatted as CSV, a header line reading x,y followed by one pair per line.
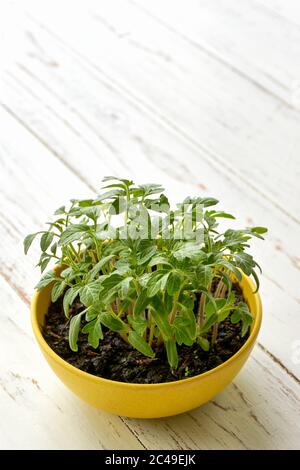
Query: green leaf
x,y
113,322
111,194
230,267
92,312
182,330
124,287
204,275
172,354
187,250
90,293
243,314
208,323
140,344
53,248
28,241
173,283
46,240
208,201
146,255
159,259
161,319
98,266
69,297
154,282
58,290
204,343
139,324
259,230
112,280
46,279
94,331
141,303
60,210
224,215
210,308
74,331
44,263
245,262
73,233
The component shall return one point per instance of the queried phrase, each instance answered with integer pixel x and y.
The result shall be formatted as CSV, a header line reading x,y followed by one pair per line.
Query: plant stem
x,y
174,309
218,294
201,309
151,332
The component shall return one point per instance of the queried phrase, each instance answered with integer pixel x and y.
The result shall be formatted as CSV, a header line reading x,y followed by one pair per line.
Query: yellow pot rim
x,y
74,370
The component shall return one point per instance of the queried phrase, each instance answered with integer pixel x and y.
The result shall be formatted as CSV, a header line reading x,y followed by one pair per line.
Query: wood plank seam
x,y
210,156
213,54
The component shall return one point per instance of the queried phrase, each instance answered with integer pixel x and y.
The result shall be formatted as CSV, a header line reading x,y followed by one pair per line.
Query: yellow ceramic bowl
x,y
146,400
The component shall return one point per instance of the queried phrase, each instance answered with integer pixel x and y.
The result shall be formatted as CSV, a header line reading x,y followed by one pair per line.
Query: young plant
x,y
152,274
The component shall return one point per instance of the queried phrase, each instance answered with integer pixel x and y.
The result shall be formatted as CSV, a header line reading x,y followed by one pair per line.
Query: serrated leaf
x,y
28,241
57,290
60,210
146,255
98,266
124,287
69,297
111,194
94,331
90,293
141,303
74,331
245,262
159,259
44,263
46,240
187,250
112,322
112,280
161,319
140,344
204,275
154,282
139,324
173,283
73,233
46,279
208,201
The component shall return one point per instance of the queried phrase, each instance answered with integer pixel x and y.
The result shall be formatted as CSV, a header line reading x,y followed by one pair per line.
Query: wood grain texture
x,y
194,95
187,103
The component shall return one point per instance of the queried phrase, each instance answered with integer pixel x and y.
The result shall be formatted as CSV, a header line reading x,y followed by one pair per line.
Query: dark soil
x,y
116,360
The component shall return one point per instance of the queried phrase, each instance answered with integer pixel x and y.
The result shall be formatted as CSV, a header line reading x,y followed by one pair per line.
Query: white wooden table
x,y
202,96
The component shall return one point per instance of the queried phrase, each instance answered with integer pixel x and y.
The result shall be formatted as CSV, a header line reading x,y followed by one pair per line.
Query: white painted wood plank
x,y
230,118
289,9
52,102
246,36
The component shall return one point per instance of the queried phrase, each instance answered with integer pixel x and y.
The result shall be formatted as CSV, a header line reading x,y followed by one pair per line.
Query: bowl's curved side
x,y
146,400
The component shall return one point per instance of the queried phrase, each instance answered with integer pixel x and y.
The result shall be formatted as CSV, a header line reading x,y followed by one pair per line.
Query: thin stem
x,y
151,332
220,291
174,309
201,309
